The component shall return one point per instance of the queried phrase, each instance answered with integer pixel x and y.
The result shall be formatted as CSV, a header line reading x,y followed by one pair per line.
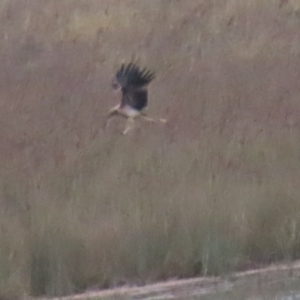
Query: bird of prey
x,y
133,82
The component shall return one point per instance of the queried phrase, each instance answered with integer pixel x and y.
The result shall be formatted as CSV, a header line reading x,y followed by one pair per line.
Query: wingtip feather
x,y
131,74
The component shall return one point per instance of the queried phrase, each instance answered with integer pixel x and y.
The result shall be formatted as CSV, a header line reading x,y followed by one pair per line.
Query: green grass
x,y
88,233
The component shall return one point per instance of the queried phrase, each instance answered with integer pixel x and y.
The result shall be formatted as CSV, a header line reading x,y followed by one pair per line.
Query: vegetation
x,y
213,191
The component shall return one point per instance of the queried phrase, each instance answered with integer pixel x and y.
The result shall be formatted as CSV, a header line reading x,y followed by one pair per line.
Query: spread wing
x,y
134,97
132,75
133,82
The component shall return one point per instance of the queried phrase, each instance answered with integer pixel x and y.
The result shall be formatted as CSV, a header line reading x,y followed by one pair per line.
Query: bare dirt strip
x,y
184,288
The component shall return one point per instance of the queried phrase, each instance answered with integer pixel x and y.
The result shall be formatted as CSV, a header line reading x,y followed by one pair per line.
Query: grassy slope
x,y
216,189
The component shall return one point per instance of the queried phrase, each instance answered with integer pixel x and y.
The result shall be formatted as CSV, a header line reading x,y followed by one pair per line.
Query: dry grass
x,y
215,190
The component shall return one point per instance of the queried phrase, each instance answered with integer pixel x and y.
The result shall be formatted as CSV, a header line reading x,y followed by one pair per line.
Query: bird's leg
x,y
111,113
145,117
129,125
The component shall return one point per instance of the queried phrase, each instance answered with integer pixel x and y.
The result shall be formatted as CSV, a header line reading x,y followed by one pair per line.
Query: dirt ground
x,y
266,283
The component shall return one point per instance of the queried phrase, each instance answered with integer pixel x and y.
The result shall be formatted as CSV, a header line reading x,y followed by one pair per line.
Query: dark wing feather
x,y
132,76
136,98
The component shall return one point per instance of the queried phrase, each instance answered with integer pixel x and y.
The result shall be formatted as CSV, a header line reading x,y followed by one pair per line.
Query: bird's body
x,y
133,82
128,111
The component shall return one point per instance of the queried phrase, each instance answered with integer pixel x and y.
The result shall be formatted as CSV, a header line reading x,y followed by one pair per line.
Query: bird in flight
x,y
133,82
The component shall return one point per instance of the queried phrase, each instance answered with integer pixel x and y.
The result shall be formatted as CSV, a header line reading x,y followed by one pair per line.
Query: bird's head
x,y
115,85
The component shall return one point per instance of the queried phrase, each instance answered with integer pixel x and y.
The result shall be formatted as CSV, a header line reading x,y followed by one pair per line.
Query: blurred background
x,y
213,191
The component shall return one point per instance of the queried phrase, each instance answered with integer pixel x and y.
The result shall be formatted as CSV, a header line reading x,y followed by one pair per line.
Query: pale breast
x,y
129,111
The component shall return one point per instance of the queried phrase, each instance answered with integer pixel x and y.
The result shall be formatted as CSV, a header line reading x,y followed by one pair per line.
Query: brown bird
x,y
133,82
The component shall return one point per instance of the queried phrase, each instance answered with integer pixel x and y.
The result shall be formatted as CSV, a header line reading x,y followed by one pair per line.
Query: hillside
x,y
214,190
